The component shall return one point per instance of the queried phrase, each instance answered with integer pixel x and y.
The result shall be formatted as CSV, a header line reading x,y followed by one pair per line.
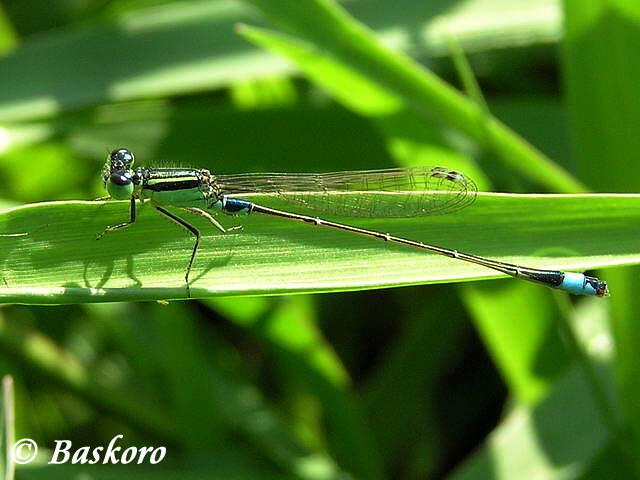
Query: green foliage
x,y
484,380
593,32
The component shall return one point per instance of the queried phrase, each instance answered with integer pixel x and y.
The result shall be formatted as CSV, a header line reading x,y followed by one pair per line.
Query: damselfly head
x,y
117,174
119,160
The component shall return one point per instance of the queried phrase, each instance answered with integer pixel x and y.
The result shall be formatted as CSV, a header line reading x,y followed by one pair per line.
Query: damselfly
x,y
398,192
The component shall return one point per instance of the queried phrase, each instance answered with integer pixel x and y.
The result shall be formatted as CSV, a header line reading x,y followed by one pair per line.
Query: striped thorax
x,y
182,187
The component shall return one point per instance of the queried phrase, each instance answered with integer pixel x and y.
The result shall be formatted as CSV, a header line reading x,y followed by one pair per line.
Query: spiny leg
x,y
203,213
208,216
132,220
193,230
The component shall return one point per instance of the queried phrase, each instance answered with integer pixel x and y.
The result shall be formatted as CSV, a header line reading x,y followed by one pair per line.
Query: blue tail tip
x,y
580,284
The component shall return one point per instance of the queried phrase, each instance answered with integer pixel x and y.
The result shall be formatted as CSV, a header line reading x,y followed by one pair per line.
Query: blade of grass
x,y
176,48
410,140
601,71
60,260
334,34
564,436
556,440
8,37
400,394
312,368
201,52
484,25
465,74
241,406
529,353
603,124
59,367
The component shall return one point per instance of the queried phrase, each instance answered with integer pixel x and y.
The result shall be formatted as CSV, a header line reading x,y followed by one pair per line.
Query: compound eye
x,y
120,179
121,158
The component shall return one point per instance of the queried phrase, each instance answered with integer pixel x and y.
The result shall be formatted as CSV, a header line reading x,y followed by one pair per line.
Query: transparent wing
x,y
397,192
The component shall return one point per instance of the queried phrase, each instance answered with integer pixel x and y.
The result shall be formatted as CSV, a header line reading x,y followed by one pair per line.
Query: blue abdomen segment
x,y
578,284
235,206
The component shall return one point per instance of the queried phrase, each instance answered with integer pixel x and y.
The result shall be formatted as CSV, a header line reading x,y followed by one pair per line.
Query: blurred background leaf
x,y
605,142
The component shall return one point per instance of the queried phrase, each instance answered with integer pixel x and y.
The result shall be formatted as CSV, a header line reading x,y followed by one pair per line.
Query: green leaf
x,y
8,35
118,57
529,352
603,125
602,67
311,370
410,138
556,440
564,436
333,38
60,367
167,50
402,393
60,260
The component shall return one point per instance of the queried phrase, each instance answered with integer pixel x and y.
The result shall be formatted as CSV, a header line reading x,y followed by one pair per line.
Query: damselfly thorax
x,y
178,187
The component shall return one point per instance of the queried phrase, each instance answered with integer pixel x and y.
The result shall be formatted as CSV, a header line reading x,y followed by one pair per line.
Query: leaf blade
x,y
60,261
